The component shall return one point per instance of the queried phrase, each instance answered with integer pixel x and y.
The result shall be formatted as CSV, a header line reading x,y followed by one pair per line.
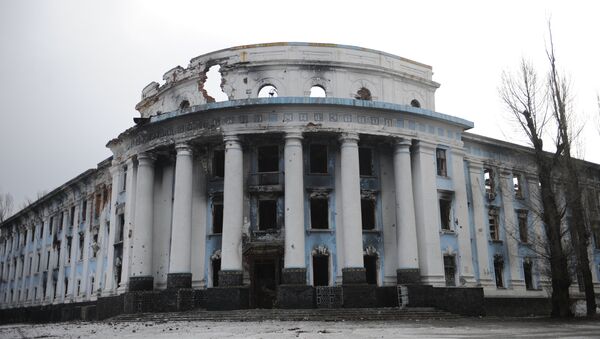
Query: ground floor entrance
x,y
265,267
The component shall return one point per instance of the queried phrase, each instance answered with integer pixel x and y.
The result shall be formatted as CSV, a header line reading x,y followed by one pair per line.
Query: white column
x,y
141,261
479,218
426,214
112,229
351,211
511,228
294,201
199,210
129,222
462,217
181,231
406,232
233,195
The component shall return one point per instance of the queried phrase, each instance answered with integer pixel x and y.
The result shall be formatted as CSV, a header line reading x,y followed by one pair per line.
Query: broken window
x,y
121,228
488,176
98,205
216,267
318,159
450,270
367,209
319,213
523,230
365,160
81,246
498,270
184,104
218,163
517,186
440,155
371,269
68,255
268,159
363,94
320,270
493,223
528,275
267,91
445,213
124,181
317,92
415,103
72,215
267,214
217,217
84,211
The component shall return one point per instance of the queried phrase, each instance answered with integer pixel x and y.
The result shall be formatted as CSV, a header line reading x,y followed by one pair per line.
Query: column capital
x,y
293,135
183,149
402,143
348,137
231,137
146,159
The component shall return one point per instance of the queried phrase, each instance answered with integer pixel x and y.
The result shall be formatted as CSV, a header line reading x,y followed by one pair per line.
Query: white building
x,y
278,197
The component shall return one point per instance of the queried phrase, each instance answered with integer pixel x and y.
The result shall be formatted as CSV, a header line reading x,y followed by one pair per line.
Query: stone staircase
x,y
332,314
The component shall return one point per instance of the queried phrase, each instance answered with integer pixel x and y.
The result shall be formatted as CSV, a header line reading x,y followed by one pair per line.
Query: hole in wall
x,y
213,84
363,94
267,91
317,92
415,103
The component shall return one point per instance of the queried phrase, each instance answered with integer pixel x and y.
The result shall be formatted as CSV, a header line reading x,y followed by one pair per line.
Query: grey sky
x,y
72,71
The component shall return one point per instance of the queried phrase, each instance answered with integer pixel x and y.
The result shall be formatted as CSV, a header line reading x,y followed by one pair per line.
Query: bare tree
x,y
6,206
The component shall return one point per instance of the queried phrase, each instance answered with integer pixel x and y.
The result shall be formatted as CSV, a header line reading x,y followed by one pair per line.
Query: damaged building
x,y
327,179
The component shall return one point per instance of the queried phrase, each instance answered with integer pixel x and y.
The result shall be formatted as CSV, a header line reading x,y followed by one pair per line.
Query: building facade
x,y
327,177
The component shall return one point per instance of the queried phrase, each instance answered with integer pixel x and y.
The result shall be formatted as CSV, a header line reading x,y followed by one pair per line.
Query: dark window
x,y
318,159
445,209
72,215
217,215
267,214
268,159
365,159
488,175
81,246
415,103
596,233
121,228
61,221
371,269
218,163
39,259
319,213
441,162
363,94
523,231
84,211
450,270
320,270
124,183
367,209
48,261
518,187
66,285
527,272
68,254
184,104
216,267
51,225
493,222
498,268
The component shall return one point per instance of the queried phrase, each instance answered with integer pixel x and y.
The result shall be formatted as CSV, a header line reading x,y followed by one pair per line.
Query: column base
x,y
227,298
354,275
231,278
295,296
294,276
179,280
143,283
359,296
408,276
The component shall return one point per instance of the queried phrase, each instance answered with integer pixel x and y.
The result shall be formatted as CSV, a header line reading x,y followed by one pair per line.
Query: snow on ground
x,y
456,328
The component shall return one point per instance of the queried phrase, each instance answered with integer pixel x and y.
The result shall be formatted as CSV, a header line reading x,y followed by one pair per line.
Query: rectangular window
x,y
84,211
596,234
50,225
517,186
217,217
39,259
81,246
367,209
450,270
267,214
318,159
78,287
370,269
124,179
216,267
61,221
527,273
121,228
523,229
445,213
30,265
319,213
48,261
72,215
320,270
98,205
498,268
440,155
365,159
493,223
68,254
218,163
490,185
268,159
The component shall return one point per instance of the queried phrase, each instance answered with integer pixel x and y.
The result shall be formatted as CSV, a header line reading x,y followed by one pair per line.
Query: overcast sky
x,y
71,72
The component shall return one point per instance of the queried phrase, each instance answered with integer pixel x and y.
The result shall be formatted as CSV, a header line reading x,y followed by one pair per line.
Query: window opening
x,y
363,94
320,270
184,104
528,274
488,175
365,160
217,217
68,254
317,92
517,186
493,223
596,233
450,270
121,229
218,163
267,214
78,287
92,284
213,83
498,271
522,220
124,182
216,267
267,91
445,212
72,215
367,209
318,159
84,211
268,159
371,269
319,213
51,225
81,246
441,162
415,103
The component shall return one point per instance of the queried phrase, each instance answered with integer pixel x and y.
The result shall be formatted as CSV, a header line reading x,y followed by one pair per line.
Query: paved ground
x,y
455,328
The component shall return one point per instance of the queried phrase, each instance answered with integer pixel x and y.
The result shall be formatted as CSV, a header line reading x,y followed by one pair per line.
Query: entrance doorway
x,y
265,279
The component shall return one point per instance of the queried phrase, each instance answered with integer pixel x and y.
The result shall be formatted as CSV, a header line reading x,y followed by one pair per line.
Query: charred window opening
x,y
440,155
267,215
72,215
367,209
98,206
317,92
517,186
66,286
523,230
320,270
493,223
371,269
68,249
216,267
415,103
184,104
450,270
319,213
61,221
124,182
218,163
217,217
363,94
528,274
121,228
596,234
81,246
365,161
498,271
268,159
267,91
490,185
84,211
318,159
445,213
